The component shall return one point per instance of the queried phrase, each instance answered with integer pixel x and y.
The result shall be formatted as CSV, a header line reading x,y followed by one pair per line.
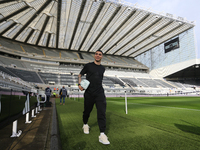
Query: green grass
x,y
152,123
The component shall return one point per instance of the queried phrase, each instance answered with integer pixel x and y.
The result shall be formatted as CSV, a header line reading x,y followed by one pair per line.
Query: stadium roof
x,y
115,27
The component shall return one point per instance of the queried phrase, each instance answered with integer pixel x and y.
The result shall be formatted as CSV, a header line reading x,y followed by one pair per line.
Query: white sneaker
x,y
86,129
103,139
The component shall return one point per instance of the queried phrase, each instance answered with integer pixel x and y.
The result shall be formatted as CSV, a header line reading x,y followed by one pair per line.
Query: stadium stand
x,y
67,79
12,61
164,83
108,82
116,81
47,72
32,50
49,78
12,82
129,60
25,75
52,53
51,50
3,69
87,56
11,45
129,81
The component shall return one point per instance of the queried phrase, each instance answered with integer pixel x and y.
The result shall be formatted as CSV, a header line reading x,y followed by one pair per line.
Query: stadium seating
x,y
67,79
47,70
52,53
11,61
3,69
49,77
10,45
29,76
116,81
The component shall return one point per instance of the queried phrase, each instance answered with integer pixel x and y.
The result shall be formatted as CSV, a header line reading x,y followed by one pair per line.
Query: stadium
x,y
150,60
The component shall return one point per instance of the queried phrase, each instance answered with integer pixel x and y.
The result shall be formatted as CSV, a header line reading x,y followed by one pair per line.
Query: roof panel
x,y
11,33
65,11
83,25
87,42
9,9
126,29
158,41
112,27
115,27
146,34
22,37
74,11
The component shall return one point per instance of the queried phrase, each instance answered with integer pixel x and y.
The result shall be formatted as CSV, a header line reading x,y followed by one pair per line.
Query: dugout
x,y
14,104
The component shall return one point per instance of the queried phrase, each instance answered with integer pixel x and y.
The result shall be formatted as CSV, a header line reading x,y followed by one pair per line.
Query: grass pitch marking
x,y
158,106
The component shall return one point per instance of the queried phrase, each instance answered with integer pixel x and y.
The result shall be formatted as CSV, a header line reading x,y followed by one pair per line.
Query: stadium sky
x,y
189,9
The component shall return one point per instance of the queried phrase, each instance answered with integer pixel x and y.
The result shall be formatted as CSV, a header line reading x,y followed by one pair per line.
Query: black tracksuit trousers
x,y
100,101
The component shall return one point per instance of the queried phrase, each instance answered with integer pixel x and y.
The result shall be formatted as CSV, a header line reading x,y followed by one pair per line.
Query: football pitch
x,y
152,123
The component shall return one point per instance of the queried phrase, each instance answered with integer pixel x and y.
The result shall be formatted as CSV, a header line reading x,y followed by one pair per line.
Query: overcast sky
x,y
189,9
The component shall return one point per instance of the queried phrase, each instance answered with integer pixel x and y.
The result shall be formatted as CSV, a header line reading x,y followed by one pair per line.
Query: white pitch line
x,y
159,106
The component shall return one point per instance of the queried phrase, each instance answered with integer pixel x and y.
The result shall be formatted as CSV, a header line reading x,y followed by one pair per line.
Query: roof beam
x,y
157,39
14,13
77,22
48,39
42,30
92,23
32,18
103,29
12,25
128,32
58,22
136,37
130,15
6,1
28,37
147,37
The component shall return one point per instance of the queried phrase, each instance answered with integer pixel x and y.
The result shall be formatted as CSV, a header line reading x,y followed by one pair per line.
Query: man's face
x,y
98,56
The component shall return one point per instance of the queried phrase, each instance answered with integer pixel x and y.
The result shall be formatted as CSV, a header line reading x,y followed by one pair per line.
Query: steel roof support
x,y
13,14
129,16
12,25
32,18
30,34
43,28
77,22
6,1
92,23
58,22
103,29
128,32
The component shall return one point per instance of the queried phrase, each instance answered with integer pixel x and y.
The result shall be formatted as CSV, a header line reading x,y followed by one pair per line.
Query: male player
x,y
94,94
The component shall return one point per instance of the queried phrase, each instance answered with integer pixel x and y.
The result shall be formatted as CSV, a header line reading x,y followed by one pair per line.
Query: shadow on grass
x,y
80,145
189,129
108,121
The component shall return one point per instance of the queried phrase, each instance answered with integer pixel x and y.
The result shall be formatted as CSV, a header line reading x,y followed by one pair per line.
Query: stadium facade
x,y
163,63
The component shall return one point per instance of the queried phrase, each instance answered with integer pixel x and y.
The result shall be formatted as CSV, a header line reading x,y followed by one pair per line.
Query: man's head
x,y
63,86
98,56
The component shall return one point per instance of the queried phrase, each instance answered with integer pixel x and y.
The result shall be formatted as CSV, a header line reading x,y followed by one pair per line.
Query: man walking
x,y
48,93
94,94
63,93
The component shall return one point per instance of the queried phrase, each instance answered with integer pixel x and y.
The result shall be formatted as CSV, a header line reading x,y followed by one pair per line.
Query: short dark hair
x,y
99,51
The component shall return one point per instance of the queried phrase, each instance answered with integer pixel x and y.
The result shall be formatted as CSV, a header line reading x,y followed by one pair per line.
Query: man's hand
x,y
80,87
